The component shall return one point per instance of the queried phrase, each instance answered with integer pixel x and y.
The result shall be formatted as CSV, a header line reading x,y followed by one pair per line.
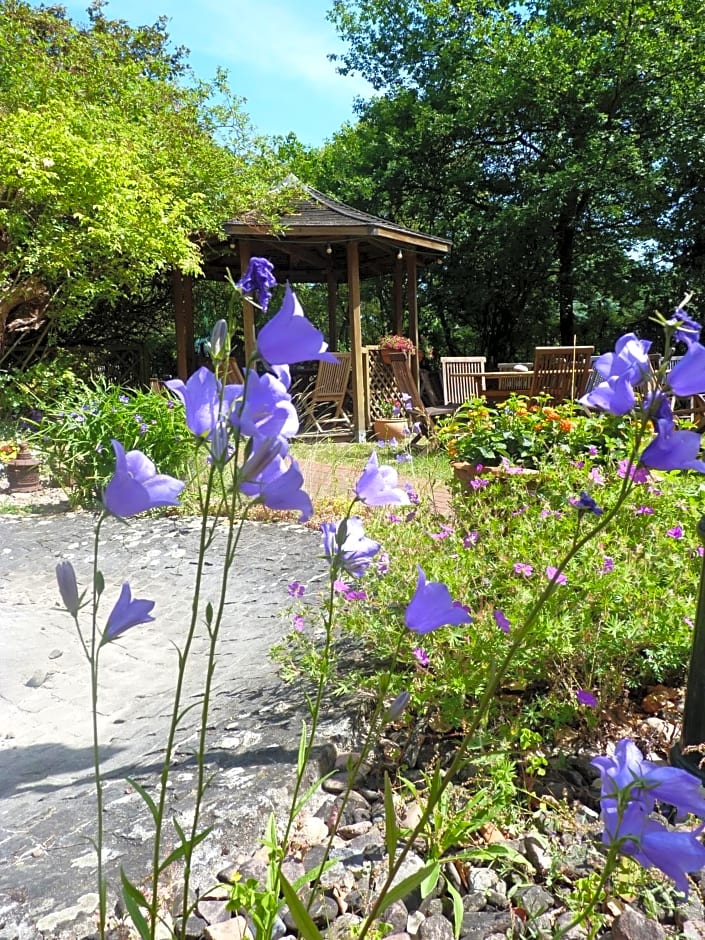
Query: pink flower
x,y
586,698
636,474
644,511
471,539
552,575
596,476
675,533
421,657
607,564
523,569
298,623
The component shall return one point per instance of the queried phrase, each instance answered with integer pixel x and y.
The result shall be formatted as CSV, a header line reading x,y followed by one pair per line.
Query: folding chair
x,y
463,378
331,387
692,407
406,385
561,372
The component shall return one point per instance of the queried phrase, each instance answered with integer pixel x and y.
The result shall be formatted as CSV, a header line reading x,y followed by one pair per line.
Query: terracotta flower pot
x,y
390,429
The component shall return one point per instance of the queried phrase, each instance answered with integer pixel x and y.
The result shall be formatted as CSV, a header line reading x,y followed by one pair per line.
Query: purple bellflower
x,y
289,337
627,770
622,370
265,408
378,485
136,486
587,504
258,278
673,450
201,398
687,377
432,607
687,330
346,546
68,588
127,612
649,842
278,485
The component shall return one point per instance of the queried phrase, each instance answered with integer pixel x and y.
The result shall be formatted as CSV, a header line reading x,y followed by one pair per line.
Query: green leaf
x,y
152,806
301,761
457,909
405,887
301,916
99,583
431,880
391,830
134,900
187,845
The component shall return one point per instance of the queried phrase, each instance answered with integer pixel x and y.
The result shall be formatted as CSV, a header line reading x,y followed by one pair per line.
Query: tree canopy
x,y
560,145
115,163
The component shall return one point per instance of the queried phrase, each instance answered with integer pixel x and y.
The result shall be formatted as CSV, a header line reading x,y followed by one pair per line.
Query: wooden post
x,y
398,296
248,311
183,322
358,385
332,310
413,310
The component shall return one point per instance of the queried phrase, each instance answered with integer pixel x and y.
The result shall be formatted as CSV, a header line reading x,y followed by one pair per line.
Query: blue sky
x,y
275,51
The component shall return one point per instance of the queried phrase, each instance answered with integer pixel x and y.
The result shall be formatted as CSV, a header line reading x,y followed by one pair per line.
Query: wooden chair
x,y
231,371
561,372
331,387
517,381
463,378
406,384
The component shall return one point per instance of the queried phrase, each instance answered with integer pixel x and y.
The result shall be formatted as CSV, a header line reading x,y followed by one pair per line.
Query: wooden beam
x,y
332,311
413,309
248,311
398,297
183,321
358,381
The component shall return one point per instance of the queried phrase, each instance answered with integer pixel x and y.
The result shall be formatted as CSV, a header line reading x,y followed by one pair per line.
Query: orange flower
x,y
566,425
551,414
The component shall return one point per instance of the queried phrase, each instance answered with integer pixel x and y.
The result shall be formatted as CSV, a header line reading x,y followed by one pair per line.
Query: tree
x,y
115,164
556,143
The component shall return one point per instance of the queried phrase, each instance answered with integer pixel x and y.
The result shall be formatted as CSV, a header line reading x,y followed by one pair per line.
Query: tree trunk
x,y
30,294
565,247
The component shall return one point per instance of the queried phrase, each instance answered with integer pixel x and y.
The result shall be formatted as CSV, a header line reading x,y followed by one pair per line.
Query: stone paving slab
x,y
47,797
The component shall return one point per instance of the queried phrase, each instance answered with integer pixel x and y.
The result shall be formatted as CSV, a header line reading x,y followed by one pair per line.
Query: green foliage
x,y
74,439
527,433
554,142
619,624
109,161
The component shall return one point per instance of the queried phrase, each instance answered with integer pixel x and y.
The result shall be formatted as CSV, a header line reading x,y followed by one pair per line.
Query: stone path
x,y
47,812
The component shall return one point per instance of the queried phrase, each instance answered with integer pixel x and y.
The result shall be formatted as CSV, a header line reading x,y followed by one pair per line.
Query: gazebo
x,y
320,241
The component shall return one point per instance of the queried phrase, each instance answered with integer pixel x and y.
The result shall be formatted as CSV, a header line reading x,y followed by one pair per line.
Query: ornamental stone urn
x,y
23,472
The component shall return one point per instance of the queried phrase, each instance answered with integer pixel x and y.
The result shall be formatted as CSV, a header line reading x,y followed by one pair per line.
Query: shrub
x,y
73,440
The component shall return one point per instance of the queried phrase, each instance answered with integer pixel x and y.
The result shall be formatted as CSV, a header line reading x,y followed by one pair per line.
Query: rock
x,y
432,907
336,783
475,901
691,909
398,936
575,933
311,830
396,916
37,679
233,929
537,854
483,879
213,910
414,921
483,925
411,864
323,912
633,925
355,829
693,929
343,927
534,900
55,654
436,927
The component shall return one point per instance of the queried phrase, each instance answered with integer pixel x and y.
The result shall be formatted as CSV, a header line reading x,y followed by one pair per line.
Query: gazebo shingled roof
x,y
321,240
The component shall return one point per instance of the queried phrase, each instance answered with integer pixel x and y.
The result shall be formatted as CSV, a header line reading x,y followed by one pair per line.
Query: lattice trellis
x,y
379,383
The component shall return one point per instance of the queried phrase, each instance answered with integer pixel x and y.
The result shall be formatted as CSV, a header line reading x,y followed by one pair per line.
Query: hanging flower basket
x,y
394,347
